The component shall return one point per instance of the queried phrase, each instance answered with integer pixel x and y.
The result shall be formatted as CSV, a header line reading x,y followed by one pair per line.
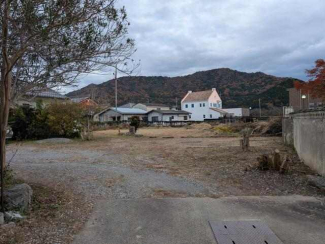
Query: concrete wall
x,y
306,131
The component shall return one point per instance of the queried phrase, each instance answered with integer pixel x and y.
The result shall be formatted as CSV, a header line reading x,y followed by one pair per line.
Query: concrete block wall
x,y
306,131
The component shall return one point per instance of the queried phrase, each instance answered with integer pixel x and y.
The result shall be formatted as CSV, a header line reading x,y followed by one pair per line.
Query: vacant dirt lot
x,y
159,162
191,153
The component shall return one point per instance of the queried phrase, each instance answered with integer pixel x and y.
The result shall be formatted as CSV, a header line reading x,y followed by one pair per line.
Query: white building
x,y
168,115
151,106
238,112
203,105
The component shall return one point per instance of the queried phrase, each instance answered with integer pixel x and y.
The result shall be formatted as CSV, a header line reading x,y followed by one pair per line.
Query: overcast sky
x,y
180,37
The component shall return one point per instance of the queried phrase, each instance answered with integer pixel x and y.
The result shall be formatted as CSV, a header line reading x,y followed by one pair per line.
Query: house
x,y
238,112
119,114
203,105
151,106
127,105
300,100
46,96
85,102
167,115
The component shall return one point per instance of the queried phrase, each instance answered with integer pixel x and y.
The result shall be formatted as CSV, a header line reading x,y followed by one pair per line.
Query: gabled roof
x,y
46,93
198,96
169,112
219,110
127,105
135,111
154,104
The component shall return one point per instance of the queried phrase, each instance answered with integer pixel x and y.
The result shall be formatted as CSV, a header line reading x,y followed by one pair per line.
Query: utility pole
x,y
116,92
176,102
259,102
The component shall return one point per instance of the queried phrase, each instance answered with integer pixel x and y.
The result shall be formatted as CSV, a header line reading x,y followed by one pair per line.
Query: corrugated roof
x,y
198,96
126,111
154,104
170,111
46,92
130,110
219,110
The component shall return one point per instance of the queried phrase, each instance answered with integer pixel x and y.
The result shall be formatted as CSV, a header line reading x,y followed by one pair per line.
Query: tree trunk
x,y
5,85
4,115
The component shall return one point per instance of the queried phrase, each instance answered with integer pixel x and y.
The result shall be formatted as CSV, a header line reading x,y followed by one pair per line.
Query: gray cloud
x,y
179,37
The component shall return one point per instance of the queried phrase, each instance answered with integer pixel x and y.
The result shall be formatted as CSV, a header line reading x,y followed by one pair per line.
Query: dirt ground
x,y
199,154
157,163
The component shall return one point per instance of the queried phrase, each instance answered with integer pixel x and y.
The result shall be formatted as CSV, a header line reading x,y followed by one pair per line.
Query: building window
x,y
155,118
203,104
185,117
203,116
186,105
210,116
200,104
190,116
192,105
215,105
211,105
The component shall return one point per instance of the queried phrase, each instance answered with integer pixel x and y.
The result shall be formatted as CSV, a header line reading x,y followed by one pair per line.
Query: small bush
x,y
54,120
135,121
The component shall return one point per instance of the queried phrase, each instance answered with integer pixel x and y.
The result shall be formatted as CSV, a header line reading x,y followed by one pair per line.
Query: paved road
x,y
294,219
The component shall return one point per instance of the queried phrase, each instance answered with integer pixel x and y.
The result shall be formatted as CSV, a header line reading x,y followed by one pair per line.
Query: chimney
x,y
214,89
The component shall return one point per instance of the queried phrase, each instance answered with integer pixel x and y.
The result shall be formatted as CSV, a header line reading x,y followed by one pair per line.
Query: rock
x,y
132,130
55,140
2,219
317,181
18,197
13,216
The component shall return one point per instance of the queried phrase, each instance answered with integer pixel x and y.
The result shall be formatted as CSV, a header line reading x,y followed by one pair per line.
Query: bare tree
x,y
46,43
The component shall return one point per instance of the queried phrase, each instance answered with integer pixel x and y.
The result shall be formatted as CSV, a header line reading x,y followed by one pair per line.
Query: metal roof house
x,y
46,95
151,106
167,115
119,114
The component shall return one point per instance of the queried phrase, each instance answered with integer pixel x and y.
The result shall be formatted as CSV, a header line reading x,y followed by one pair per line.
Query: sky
x,y
180,37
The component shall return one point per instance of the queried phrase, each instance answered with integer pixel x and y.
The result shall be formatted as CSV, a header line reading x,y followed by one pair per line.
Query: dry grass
x,y
56,216
201,155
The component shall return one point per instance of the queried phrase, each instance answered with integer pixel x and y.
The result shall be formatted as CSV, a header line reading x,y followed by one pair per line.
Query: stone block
x,y
18,197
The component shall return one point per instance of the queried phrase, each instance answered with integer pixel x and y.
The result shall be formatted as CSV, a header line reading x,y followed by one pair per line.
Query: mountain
x,y
237,89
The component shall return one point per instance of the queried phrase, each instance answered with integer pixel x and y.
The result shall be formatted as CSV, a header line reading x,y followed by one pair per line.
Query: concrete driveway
x,y
294,219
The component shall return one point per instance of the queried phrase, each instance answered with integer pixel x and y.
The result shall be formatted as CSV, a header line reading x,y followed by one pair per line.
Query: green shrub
x,y
65,120
54,120
135,121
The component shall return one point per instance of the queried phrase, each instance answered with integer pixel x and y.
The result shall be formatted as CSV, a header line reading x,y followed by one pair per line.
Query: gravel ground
x,y
120,167
97,175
